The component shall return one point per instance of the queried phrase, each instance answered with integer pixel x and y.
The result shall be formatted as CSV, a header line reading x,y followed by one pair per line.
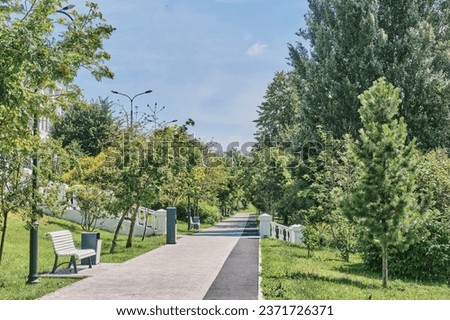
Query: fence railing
x,y
148,221
268,228
280,232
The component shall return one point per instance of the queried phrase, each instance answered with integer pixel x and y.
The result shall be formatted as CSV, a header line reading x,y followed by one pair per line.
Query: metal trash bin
x,y
171,233
91,240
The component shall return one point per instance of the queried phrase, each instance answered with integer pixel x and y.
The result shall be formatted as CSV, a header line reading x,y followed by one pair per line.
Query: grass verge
x,y
287,274
14,267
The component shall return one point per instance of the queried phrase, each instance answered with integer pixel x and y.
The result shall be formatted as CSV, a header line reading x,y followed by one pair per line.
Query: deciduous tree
x,y
348,44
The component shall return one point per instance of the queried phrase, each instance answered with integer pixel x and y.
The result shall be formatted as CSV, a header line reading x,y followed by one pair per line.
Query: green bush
x,y
208,213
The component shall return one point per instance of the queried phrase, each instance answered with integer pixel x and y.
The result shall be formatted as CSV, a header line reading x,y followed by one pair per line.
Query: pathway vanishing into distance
x,y
218,263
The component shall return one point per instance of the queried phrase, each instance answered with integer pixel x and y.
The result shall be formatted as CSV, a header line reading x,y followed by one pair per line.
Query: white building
x,y
44,123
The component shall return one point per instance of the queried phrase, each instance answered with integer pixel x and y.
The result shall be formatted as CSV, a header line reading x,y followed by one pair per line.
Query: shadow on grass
x,y
358,269
333,280
64,226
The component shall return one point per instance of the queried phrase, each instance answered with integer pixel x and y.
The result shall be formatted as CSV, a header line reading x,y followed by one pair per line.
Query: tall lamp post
x,y
33,276
131,101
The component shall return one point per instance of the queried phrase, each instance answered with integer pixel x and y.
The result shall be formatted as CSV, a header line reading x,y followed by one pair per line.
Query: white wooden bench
x,y
195,223
64,246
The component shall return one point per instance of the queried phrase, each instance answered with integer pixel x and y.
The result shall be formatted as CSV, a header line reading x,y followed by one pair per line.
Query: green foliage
x,y
34,66
176,158
91,127
208,214
270,175
34,63
92,203
20,191
344,235
427,258
311,239
278,115
382,199
353,43
319,191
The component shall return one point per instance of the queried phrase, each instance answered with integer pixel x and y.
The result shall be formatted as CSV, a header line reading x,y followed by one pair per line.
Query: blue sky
x,y
209,60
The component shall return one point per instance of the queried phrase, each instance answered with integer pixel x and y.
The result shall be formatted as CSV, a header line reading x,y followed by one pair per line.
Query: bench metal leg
x,y
55,265
74,262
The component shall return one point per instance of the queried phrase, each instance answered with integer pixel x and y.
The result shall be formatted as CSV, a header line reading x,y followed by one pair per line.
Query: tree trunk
x,y
189,213
384,257
132,224
116,233
145,226
2,243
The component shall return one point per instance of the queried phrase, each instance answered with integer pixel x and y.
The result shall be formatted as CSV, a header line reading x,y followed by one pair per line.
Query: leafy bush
x,y
208,213
344,235
311,239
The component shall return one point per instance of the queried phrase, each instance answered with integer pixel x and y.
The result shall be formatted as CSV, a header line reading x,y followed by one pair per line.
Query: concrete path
x,y
195,268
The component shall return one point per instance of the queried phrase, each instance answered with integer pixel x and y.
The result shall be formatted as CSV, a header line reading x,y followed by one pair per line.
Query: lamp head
x,y
68,7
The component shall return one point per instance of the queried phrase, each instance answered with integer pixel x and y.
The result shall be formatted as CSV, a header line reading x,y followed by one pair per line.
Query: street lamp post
x,y
131,101
33,276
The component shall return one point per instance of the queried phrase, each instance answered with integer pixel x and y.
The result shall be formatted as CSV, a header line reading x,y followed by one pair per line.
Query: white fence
x,y
148,221
268,228
156,222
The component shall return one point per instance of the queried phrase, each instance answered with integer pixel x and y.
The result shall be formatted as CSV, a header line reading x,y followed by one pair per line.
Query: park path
x,y
218,263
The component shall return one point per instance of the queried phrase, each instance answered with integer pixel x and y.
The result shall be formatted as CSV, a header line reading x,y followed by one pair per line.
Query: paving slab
x,y
183,271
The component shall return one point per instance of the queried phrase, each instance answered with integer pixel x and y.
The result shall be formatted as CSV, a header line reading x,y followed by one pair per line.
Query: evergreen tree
x,y
354,42
382,197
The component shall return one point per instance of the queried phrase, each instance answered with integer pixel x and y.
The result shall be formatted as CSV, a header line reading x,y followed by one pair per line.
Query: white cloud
x,y
256,49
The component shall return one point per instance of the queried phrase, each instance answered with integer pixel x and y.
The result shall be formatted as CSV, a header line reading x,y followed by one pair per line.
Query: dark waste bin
x,y
91,240
171,232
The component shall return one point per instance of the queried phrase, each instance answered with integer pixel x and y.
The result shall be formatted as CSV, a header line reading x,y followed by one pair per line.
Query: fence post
x,y
160,221
264,225
297,234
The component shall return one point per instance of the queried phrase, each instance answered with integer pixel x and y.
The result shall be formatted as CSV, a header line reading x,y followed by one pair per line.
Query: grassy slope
x,y
288,274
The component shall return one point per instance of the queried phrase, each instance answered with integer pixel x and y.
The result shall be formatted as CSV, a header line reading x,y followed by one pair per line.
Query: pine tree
x,y
382,198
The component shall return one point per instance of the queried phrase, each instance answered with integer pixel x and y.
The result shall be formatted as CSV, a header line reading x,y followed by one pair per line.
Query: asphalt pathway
x,y
238,279
217,263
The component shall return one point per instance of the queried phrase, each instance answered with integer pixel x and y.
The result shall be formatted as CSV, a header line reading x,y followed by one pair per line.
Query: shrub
x,y
208,213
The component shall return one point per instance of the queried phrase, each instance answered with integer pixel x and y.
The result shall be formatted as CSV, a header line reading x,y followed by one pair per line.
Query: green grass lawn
x,y
287,274
14,268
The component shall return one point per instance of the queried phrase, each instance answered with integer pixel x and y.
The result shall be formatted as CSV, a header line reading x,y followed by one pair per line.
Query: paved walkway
x,y
238,279
218,263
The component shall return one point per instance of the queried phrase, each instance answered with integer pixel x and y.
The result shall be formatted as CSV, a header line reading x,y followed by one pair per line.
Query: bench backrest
x,y
62,241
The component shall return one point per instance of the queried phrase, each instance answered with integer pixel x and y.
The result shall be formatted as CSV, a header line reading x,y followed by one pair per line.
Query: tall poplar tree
x,y
348,44
382,197
278,115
